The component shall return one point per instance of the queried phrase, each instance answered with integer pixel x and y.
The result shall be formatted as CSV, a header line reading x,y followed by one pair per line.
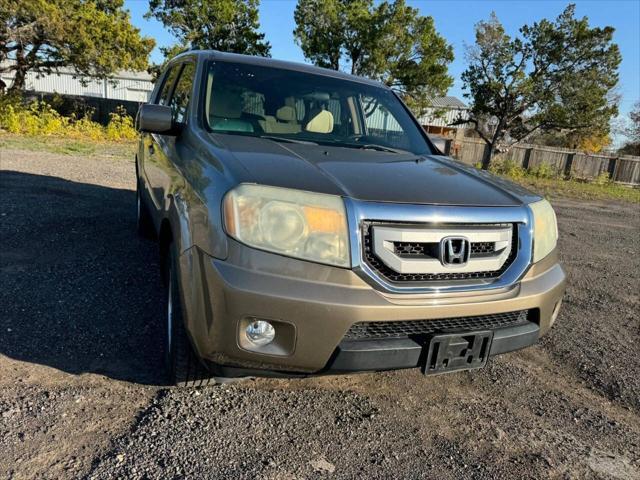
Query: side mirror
x,y
155,119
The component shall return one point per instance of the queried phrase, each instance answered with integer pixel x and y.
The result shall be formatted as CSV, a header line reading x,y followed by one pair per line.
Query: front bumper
x,y
391,354
313,306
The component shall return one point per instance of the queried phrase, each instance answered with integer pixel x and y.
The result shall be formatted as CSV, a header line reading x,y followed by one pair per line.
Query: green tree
x,y
632,131
389,42
168,53
94,37
225,25
556,76
589,141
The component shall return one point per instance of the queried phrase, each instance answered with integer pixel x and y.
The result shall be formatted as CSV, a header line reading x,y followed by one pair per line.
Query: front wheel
x,y
182,366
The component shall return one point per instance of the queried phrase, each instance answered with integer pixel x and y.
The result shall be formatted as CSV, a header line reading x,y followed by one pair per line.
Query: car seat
x,y
226,112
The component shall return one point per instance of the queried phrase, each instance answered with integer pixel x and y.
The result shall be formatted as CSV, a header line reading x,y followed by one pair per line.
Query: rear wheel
x,y
145,225
182,366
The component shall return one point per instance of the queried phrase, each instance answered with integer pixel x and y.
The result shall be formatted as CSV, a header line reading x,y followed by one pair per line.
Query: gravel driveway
x,y
80,300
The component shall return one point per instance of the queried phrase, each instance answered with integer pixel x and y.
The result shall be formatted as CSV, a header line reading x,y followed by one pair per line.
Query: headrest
x,y
321,123
286,114
226,104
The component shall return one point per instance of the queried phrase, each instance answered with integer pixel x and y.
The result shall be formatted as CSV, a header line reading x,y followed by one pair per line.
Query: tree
x,y
94,37
168,53
583,140
632,131
389,42
557,76
225,25
594,143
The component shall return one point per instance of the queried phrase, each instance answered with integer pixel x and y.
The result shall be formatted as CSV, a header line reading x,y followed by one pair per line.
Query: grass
x,y
555,187
543,179
122,149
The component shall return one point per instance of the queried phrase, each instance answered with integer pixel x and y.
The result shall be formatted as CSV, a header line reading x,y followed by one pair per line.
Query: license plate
x,y
450,352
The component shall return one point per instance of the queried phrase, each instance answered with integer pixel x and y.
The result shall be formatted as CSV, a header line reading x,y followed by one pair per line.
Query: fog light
x,y
260,332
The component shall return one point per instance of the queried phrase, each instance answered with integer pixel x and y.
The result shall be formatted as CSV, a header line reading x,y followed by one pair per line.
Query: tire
x,y
144,222
183,368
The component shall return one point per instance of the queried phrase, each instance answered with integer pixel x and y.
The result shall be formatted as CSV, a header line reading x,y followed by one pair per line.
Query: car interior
x,y
233,109
258,101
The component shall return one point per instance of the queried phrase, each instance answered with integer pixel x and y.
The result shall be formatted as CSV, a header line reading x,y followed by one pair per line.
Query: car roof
x,y
271,62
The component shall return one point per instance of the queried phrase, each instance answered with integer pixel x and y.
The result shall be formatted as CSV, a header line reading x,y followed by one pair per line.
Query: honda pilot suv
x,y
307,225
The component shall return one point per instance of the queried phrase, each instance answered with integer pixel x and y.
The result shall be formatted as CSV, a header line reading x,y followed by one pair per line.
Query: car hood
x,y
370,175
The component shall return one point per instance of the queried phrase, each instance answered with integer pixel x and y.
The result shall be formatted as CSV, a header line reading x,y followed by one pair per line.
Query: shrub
x,y
9,121
509,168
36,119
512,169
544,170
40,119
86,128
120,126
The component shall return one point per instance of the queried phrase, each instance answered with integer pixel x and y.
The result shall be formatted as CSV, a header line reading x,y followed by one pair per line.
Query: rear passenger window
x,y
182,93
167,85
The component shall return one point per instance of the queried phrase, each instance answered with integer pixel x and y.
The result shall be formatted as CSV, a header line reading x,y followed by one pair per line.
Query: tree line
x,y
554,81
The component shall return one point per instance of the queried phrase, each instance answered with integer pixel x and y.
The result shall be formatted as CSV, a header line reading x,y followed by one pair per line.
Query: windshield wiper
x,y
288,140
373,146
365,146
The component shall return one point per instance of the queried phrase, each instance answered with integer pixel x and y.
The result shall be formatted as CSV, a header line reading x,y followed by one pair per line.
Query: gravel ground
x,y
80,300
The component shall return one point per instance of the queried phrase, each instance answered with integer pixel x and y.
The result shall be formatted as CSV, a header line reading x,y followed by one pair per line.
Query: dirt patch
x,y
79,395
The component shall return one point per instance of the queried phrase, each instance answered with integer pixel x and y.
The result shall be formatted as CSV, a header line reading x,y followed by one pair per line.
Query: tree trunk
x,y
18,81
489,148
355,60
21,72
335,61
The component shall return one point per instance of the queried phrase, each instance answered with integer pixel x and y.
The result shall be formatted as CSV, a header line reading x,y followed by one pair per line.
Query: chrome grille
x,y
481,248
416,249
403,329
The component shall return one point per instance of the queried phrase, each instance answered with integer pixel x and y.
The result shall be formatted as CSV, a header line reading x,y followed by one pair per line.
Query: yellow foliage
x,y
40,119
120,126
594,143
514,170
508,168
544,170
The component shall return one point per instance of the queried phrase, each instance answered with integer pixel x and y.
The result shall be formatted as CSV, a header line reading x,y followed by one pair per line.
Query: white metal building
x,y
444,111
131,86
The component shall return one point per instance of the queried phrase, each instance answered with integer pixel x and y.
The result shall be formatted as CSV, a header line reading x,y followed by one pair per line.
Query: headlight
x,y
311,226
545,229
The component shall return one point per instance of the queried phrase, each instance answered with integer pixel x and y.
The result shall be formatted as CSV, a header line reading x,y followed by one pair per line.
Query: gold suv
x,y
308,225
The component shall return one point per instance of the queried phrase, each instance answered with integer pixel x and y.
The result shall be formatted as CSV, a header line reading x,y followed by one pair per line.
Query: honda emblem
x,y
454,251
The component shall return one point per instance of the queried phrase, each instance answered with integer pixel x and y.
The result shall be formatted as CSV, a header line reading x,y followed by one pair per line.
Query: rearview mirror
x,y
155,119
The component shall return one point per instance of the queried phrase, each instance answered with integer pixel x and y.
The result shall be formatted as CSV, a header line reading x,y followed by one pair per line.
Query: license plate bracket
x,y
450,352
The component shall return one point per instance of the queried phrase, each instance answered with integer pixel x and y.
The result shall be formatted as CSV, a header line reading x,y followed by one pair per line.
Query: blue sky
x,y
455,20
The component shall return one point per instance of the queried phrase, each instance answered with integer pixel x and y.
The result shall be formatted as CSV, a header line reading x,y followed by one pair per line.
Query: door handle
x,y
151,149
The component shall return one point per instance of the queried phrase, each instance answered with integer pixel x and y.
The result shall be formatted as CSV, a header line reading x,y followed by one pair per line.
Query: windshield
x,y
295,106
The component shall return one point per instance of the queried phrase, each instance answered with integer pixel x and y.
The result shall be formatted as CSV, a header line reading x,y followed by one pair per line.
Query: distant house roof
x,y
448,102
444,111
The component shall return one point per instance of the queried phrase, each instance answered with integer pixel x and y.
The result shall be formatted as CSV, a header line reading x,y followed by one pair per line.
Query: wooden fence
x,y
564,162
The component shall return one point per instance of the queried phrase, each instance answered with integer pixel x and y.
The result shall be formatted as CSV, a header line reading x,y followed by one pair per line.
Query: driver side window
x,y
167,85
182,93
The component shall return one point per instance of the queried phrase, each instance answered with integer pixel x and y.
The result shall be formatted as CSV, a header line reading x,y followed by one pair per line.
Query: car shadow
x,y
79,290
